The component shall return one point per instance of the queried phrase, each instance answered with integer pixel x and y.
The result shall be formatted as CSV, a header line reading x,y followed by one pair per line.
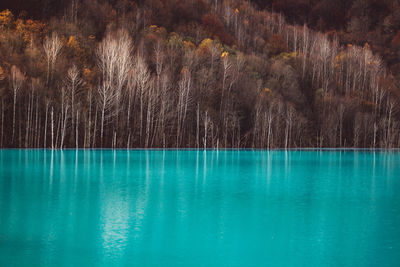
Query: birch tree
x,y
73,84
114,61
184,87
52,47
17,81
142,80
107,96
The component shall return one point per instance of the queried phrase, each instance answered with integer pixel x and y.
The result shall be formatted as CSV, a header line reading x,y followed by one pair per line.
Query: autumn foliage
x,y
200,73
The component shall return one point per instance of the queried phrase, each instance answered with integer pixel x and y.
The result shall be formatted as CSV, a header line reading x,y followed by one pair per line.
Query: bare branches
x,y
142,81
17,81
115,62
107,98
184,87
73,83
52,47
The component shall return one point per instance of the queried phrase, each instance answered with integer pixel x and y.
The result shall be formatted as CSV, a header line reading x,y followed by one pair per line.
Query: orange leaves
x,y
86,72
268,91
88,76
188,45
72,42
207,45
203,48
2,74
6,18
339,59
74,48
29,28
159,31
224,54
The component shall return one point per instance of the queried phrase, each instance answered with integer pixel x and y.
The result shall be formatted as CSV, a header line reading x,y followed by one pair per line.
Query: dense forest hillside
x,y
199,73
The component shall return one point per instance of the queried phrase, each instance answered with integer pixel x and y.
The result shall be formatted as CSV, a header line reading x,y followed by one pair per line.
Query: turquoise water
x,y
196,208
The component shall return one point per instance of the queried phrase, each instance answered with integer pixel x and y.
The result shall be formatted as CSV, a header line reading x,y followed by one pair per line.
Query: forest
x,y
199,74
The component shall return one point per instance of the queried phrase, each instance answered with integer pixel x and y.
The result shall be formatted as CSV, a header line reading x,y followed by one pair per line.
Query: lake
x,y
199,208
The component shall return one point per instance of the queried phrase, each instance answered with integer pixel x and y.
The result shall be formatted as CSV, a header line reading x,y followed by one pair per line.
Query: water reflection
x,y
111,207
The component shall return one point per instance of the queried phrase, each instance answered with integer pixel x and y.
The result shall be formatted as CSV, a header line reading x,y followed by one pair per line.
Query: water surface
x,y
199,208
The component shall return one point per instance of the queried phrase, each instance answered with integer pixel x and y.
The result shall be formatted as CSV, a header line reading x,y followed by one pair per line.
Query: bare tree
x,y
184,86
142,81
341,112
52,47
115,62
30,111
17,81
226,66
73,85
357,129
107,97
130,93
73,12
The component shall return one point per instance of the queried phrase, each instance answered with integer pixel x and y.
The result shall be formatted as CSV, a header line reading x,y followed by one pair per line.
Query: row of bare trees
x,y
161,90
349,82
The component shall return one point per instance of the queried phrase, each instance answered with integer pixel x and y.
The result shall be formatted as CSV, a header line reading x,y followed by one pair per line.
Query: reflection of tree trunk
x,y
52,128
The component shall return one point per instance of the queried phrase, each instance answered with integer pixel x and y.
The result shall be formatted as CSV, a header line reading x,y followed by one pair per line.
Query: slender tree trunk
x,y
95,128
19,129
60,118
76,130
148,120
52,128
197,125
48,72
38,133
205,130
45,127
269,130
102,123
14,104
28,122
90,118
141,116
36,122
64,127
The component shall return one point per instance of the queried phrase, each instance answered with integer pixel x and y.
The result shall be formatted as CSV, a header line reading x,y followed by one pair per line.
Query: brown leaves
x,y
276,45
215,27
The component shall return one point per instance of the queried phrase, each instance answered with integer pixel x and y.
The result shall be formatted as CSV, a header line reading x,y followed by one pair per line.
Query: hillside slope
x,y
187,74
